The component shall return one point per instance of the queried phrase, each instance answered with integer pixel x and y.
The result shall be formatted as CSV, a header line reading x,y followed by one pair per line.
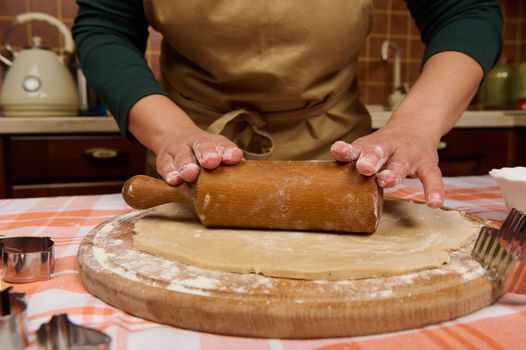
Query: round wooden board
x,y
173,293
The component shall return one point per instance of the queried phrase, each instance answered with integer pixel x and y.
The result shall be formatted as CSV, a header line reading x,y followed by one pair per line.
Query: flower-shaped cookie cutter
x,y
13,320
61,334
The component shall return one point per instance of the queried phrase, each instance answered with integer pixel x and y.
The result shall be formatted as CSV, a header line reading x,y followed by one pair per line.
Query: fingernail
x,y
434,199
195,148
172,176
387,177
232,154
369,162
205,157
227,154
189,166
338,144
342,150
237,152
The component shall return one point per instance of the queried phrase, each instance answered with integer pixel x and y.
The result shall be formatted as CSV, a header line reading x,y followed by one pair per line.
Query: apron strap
x,y
249,128
246,128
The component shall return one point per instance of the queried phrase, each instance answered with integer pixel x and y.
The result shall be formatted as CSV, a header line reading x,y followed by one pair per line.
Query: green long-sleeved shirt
x,y
111,37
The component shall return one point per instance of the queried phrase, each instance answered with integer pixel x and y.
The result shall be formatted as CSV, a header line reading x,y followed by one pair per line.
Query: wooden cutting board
x,y
173,293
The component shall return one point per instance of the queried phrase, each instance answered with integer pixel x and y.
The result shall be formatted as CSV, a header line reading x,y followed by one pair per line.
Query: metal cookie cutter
x,y
61,334
502,252
26,259
13,322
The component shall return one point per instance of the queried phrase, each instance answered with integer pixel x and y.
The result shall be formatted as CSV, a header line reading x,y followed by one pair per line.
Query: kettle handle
x,y
69,45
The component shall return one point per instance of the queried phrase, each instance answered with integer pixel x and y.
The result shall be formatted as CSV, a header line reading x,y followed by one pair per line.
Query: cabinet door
x,y
477,151
37,159
38,166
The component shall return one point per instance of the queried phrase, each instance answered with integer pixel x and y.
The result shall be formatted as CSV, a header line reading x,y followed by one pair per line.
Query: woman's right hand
x,y
181,153
180,146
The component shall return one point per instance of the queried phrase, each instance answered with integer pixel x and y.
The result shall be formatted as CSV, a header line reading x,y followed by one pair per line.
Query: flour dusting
x,y
200,282
198,285
112,251
206,201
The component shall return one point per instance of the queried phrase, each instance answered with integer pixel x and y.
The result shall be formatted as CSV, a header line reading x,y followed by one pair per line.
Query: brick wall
x,y
391,21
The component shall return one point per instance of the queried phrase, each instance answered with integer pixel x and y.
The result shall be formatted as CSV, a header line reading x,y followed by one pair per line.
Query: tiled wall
x,y
391,21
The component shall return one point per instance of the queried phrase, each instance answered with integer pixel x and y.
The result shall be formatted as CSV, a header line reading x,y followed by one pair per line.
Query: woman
x,y
276,79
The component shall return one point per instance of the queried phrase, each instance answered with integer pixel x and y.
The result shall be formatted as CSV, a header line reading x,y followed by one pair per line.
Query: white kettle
x,y
37,81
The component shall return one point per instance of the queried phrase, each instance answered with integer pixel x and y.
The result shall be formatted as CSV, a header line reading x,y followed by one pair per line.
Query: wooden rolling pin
x,y
290,195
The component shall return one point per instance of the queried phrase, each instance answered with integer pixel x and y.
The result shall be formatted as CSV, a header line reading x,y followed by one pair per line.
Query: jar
x,y
494,92
518,86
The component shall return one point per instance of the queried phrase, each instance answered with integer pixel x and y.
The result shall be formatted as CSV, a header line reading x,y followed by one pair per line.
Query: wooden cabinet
x,y
94,163
477,151
52,165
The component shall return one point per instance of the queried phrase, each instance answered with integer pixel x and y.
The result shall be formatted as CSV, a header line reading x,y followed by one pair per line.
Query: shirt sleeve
x,y
111,38
473,27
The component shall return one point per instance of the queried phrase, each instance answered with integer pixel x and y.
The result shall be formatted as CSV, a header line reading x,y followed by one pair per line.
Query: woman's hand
x,y
180,146
394,153
181,152
406,145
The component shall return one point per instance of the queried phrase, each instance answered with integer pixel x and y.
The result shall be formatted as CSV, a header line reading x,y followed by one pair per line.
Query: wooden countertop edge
x,y
470,119
75,124
58,125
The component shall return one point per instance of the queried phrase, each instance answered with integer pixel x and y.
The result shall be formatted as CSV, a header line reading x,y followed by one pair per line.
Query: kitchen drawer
x,y
36,159
476,151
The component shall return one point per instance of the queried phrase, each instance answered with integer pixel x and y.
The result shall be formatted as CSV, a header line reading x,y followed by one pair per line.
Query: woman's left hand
x,y
395,152
407,144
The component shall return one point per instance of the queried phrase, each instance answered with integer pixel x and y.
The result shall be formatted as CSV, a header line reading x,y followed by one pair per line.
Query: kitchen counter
x,y
62,125
57,125
470,119
67,220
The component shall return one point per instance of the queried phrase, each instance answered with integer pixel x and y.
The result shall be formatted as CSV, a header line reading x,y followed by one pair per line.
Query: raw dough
x,y
410,237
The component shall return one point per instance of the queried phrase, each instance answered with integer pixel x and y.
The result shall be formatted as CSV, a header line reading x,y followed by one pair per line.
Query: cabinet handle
x,y
442,145
105,155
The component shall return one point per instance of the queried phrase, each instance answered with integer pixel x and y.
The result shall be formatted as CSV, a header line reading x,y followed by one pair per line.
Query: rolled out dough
x,y
410,237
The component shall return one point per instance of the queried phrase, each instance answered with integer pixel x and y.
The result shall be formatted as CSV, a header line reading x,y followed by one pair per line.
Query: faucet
x,y
398,92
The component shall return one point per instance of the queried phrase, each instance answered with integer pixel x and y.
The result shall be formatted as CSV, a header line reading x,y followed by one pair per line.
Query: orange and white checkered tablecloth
x,y
68,219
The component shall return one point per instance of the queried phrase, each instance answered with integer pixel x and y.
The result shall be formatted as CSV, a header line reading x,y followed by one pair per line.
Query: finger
x,y
183,162
230,153
207,154
372,159
166,168
187,168
344,152
431,177
395,171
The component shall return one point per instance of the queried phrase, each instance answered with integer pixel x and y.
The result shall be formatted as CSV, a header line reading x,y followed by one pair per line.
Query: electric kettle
x,y
37,81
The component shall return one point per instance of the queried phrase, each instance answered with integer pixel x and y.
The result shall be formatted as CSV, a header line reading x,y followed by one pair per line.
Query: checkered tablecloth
x,y
68,219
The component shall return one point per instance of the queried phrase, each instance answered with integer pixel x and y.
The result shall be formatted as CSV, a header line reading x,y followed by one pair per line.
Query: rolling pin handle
x,y
142,192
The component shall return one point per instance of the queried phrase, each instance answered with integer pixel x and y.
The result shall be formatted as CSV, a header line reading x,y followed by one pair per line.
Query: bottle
x,y
495,90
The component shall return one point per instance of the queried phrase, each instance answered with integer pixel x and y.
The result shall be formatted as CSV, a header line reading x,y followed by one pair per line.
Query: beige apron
x,y
278,77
